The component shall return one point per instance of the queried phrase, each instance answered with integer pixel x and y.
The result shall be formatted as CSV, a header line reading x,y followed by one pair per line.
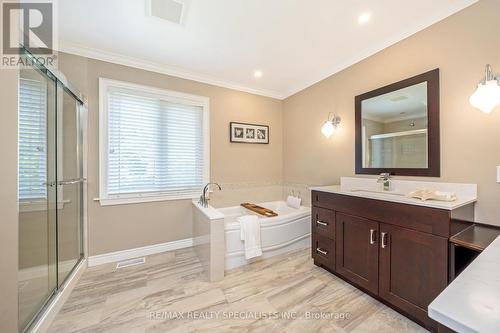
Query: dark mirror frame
x,y
434,154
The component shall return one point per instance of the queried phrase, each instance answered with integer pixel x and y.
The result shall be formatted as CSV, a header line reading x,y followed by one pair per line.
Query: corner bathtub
x,y
290,230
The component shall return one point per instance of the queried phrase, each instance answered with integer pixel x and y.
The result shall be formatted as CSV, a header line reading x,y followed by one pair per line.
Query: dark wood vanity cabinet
x,y
396,252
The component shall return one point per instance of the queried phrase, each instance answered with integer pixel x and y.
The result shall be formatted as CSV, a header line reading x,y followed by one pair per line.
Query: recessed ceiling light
x,y
257,74
363,18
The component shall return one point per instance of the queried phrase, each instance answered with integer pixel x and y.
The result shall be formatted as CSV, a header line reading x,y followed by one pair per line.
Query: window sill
x,y
146,198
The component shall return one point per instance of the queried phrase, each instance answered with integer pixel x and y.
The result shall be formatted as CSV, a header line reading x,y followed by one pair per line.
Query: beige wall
x,y
8,200
460,46
255,170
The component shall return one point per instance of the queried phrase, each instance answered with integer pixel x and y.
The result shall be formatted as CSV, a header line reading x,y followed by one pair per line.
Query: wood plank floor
x,y
169,293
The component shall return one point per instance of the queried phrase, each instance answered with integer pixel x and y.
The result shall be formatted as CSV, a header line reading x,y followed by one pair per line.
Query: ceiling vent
x,y
173,11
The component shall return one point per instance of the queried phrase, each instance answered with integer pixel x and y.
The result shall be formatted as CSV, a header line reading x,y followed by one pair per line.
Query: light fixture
x,y
330,125
363,18
487,95
257,74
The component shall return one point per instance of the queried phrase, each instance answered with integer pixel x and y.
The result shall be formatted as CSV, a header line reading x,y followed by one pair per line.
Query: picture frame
x,y
248,133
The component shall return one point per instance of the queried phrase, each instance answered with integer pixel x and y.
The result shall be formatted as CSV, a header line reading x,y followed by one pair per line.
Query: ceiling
x,y
406,103
294,43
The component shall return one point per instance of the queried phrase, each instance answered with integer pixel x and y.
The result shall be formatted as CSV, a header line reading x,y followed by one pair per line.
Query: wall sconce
x,y
330,125
487,95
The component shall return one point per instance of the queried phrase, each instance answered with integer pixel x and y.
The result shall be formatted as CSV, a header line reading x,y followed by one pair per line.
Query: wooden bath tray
x,y
259,210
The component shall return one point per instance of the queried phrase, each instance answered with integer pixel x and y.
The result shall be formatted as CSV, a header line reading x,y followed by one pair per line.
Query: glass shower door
x,y
37,197
50,195
70,184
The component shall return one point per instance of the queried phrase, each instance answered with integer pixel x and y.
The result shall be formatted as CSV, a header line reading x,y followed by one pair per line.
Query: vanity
x,y
371,232
393,247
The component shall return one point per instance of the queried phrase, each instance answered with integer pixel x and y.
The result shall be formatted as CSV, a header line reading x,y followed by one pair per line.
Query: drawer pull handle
x,y
322,223
373,236
323,252
383,240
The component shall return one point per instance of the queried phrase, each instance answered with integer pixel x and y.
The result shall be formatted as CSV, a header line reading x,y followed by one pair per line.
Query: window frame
x,y
105,198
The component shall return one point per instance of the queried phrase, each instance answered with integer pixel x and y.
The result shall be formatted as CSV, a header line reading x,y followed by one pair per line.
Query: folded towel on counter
x,y
293,201
431,194
250,234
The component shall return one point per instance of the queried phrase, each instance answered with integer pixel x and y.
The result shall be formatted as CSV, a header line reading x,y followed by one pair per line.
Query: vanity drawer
x,y
323,251
323,222
322,199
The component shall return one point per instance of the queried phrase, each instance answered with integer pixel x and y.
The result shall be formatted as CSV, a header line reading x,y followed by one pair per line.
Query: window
x,y
32,140
154,144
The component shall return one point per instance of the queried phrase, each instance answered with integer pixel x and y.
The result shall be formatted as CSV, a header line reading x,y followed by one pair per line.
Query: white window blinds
x,y
32,139
155,145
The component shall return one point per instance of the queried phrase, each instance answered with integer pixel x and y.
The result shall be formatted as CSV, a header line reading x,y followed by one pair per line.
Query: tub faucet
x,y
204,198
385,178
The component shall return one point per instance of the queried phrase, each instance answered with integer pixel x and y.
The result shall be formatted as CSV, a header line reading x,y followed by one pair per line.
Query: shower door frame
x,y
43,316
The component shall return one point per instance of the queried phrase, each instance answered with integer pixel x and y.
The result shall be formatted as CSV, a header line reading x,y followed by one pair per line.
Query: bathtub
x,y
216,235
290,230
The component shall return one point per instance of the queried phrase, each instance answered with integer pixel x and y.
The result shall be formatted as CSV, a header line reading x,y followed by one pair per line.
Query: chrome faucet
x,y
385,178
204,198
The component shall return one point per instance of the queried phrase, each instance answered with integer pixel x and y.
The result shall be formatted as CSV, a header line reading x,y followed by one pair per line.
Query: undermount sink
x,y
378,192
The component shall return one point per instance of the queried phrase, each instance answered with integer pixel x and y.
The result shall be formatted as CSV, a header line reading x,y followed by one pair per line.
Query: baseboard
x,y
42,325
106,258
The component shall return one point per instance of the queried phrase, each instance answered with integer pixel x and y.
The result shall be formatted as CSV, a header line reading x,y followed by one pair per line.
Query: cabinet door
x,y
413,269
357,251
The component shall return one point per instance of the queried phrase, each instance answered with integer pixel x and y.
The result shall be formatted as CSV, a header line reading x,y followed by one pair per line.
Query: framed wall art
x,y
248,133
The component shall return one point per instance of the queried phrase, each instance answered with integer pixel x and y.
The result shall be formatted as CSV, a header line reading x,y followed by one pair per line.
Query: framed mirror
x,y
397,128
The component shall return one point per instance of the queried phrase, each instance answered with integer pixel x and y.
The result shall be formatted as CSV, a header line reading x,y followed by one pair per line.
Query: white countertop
x,y
337,189
471,303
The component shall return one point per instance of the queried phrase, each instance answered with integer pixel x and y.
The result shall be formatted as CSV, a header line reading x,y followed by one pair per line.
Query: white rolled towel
x,y
445,196
250,234
293,201
425,194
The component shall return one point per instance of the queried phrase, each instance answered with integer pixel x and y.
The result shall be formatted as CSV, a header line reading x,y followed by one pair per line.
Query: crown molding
x,y
426,22
120,59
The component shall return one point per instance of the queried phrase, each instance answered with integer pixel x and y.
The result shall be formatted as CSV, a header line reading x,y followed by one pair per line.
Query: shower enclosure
x,y
50,182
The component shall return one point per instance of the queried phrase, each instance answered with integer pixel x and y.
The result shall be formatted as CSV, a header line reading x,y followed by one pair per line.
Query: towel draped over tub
x,y
250,234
